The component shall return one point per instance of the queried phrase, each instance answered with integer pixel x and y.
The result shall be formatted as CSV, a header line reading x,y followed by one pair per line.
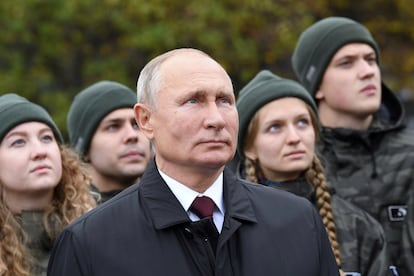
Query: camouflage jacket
x,y
374,168
408,239
361,238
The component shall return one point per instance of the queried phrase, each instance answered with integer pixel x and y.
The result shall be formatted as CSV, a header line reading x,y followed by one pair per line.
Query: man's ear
x,y
143,118
319,95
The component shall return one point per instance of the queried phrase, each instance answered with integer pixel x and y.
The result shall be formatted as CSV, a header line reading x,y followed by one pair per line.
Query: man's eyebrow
x,y
347,56
192,93
197,93
354,55
202,93
225,93
112,120
370,54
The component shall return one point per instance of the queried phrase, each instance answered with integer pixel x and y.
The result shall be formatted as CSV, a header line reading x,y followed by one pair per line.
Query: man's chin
x,y
132,174
128,180
215,163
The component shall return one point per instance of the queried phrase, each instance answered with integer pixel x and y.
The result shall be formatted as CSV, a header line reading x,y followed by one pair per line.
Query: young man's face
x,y
119,150
351,86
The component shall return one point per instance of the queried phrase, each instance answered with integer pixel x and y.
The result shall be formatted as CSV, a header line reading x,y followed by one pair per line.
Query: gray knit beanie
x,y
90,106
15,110
262,89
319,43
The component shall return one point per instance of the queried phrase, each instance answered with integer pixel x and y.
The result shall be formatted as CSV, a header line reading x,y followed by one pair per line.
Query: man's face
x,y
351,86
194,124
119,150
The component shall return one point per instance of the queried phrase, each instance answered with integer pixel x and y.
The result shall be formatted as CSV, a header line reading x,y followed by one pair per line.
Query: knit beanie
x,y
262,89
90,106
15,110
319,43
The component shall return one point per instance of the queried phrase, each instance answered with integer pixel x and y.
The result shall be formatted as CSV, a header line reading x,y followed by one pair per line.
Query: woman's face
x,y
285,140
30,162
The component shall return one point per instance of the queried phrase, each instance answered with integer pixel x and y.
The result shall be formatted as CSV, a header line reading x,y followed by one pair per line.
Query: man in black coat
x,y
186,107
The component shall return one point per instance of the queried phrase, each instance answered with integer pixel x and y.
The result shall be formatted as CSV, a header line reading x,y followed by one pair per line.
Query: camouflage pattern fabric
x,y
361,237
407,244
374,169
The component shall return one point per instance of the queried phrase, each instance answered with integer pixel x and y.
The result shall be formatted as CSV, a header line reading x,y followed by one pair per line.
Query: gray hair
x,y
150,77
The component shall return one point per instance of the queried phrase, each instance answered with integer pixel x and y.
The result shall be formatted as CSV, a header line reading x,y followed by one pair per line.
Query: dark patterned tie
x,y
203,207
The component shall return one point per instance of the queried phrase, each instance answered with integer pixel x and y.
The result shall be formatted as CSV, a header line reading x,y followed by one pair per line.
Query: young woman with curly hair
x,y
278,130
43,186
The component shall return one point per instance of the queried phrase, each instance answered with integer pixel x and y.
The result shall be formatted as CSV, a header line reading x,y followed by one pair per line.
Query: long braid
x,y
316,176
251,171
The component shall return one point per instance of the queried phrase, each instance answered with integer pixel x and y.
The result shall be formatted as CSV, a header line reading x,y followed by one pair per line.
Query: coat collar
x,y
166,211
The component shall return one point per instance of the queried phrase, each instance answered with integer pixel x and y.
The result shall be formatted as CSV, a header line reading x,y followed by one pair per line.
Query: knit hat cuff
x,y
23,112
333,40
92,114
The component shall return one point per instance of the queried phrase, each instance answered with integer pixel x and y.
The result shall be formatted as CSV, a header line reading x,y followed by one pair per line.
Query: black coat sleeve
x,y
65,257
327,258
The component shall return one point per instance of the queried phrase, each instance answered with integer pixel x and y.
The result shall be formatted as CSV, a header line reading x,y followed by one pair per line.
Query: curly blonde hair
x,y
70,200
314,175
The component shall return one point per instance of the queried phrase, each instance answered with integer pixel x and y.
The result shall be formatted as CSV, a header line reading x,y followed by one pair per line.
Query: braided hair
x,y
315,175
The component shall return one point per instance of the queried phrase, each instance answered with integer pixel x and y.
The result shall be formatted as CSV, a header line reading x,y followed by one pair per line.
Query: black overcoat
x,y
145,231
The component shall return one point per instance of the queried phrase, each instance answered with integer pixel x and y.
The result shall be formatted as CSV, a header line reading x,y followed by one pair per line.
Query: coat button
x,y
188,233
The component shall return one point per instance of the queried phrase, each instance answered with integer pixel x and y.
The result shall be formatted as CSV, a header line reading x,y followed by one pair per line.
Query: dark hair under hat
x,y
319,43
262,89
90,106
15,110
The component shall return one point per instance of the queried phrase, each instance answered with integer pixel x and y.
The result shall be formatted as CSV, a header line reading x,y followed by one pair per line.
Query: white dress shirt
x,y
186,196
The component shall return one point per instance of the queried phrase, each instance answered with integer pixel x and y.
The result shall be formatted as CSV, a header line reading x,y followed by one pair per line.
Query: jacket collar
x,y
391,112
389,116
166,211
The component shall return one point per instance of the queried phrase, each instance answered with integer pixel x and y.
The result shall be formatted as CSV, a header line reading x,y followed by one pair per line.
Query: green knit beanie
x,y
262,89
319,43
90,106
15,110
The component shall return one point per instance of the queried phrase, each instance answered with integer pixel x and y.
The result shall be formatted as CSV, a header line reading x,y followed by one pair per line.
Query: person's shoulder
x,y
349,213
345,207
268,195
403,135
118,203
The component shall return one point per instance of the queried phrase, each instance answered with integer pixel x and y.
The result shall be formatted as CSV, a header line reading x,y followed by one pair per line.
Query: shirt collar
x,y
186,196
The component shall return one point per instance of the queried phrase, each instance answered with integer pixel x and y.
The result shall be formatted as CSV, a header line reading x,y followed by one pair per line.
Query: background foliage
x,y
50,50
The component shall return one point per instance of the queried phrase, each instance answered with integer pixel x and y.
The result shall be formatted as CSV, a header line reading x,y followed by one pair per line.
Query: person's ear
x,y
250,153
143,117
319,95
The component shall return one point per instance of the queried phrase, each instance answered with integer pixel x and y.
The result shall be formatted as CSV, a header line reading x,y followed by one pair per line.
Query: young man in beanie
x,y
102,129
368,151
